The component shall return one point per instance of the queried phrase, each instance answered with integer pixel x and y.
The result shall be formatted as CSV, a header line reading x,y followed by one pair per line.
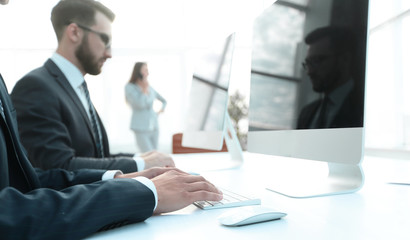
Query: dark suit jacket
x,y
36,204
54,126
349,115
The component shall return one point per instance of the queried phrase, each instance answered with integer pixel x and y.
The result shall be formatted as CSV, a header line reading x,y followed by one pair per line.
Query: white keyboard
x,y
230,200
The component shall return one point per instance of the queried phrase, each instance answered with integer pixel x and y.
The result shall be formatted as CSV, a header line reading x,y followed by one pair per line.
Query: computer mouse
x,y
249,215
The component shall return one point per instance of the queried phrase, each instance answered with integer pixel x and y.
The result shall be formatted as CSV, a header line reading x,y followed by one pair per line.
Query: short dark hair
x,y
77,11
136,72
341,38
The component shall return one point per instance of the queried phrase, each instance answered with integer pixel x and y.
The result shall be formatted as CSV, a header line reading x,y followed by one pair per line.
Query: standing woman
x,y
141,96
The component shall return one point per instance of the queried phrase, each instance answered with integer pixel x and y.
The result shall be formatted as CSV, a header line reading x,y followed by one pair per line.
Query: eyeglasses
x,y
104,37
315,61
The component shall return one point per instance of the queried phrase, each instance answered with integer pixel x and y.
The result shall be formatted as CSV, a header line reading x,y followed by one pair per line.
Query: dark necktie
x,y
321,123
2,110
94,123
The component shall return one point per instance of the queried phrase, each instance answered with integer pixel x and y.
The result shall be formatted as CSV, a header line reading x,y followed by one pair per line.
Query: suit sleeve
x,y
58,179
161,99
74,212
44,133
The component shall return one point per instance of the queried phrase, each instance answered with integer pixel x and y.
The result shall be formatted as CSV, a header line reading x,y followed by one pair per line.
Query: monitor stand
x,y
235,157
232,143
342,178
199,162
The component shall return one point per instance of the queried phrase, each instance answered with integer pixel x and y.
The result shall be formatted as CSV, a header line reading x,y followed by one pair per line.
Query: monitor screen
x,y
307,81
308,66
209,96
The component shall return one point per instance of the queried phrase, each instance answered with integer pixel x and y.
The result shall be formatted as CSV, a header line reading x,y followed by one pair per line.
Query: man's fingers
x,y
161,170
193,178
198,179
147,153
205,196
202,186
173,169
198,184
170,163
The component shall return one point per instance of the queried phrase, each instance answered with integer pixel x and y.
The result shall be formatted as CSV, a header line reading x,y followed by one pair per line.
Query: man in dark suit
x,y
58,204
330,65
58,124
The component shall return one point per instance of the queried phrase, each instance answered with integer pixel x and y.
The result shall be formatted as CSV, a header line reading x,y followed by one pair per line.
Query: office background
x,y
166,34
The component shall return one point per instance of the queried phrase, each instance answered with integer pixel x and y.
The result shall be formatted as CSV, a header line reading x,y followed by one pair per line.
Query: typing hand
x,y
177,190
157,159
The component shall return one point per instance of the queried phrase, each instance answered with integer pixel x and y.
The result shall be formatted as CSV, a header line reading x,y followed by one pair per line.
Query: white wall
x,y
160,32
164,32
388,76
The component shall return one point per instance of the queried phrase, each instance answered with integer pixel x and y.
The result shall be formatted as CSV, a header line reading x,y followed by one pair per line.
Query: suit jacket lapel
x,y
65,85
63,82
4,177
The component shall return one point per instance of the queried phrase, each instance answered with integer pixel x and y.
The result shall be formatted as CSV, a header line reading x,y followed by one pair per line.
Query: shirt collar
x,y
70,71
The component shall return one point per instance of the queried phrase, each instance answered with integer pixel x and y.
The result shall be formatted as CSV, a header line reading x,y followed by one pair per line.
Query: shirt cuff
x,y
139,161
149,184
110,174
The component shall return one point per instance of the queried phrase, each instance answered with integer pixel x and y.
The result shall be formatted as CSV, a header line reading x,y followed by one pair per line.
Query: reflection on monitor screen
x,y
307,84
209,96
207,121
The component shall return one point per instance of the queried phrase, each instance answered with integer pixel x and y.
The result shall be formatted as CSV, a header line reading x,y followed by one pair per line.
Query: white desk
x,y
378,211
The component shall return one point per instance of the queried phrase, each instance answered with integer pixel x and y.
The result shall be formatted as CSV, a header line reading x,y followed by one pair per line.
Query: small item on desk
x,y
249,215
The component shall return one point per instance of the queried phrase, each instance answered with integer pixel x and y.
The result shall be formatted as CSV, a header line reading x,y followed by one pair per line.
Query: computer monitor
x,y
307,91
207,121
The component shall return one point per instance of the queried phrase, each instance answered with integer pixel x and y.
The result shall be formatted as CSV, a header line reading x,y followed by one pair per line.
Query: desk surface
x,y
378,211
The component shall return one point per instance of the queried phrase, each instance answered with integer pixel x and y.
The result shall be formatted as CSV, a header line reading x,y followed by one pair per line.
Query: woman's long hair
x,y
136,73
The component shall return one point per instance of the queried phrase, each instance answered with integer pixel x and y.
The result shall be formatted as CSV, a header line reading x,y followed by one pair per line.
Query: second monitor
x,y
207,121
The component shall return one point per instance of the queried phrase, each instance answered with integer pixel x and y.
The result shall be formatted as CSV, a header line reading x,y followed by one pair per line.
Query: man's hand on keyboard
x,y
178,189
149,173
157,159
